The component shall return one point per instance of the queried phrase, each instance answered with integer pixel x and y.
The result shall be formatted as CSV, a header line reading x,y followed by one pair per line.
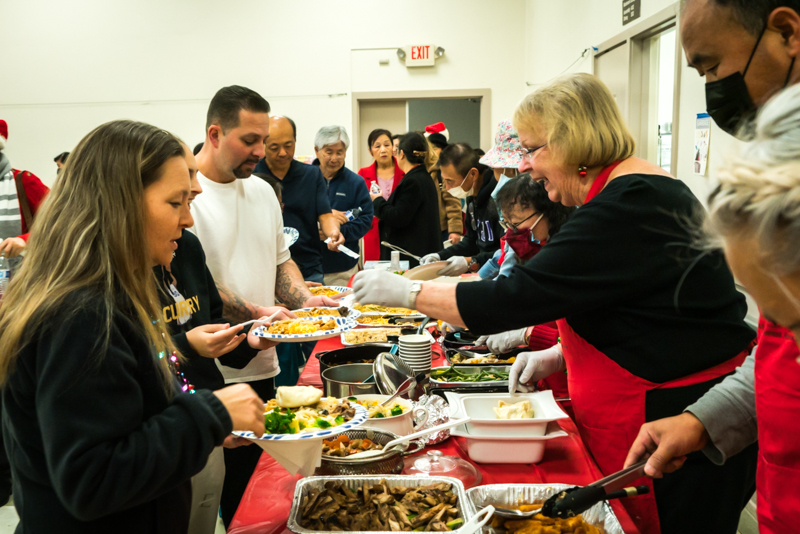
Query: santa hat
x,y
3,134
437,127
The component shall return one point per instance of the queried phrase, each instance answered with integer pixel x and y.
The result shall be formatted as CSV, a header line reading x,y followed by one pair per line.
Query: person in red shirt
x,y
387,175
21,194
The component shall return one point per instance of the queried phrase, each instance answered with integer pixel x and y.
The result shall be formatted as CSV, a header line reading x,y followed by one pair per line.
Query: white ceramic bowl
x,y
403,424
480,408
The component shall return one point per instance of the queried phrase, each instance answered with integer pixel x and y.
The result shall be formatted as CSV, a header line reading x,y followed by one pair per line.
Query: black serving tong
x,y
571,502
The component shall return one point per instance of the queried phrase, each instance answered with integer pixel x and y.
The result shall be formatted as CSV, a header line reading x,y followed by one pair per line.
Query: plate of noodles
x,y
306,328
328,291
298,413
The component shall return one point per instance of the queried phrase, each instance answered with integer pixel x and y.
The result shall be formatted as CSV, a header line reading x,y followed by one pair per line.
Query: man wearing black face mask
x,y
746,49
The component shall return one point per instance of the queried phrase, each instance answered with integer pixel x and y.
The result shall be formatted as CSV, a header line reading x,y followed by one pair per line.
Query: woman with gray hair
x,y
754,217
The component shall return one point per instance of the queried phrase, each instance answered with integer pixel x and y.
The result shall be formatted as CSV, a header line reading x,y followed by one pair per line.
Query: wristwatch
x,y
416,287
473,266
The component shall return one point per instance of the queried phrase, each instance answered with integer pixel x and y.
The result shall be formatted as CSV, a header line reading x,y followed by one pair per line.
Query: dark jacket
x,y
347,191
410,218
304,198
94,443
482,222
195,283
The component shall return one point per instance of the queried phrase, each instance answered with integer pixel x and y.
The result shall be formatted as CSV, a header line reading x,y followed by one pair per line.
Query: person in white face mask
x,y
465,178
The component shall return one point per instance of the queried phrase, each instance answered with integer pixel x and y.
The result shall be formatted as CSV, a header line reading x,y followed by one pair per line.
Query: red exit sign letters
x,y
420,55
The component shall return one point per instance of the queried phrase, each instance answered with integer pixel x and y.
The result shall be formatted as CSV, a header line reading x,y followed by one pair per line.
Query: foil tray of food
x,y
466,377
375,504
600,518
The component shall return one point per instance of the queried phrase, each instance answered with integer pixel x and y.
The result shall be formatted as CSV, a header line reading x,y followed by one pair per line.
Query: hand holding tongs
x,y
573,501
400,250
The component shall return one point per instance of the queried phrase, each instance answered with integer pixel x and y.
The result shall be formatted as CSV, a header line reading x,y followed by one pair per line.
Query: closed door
x,y
373,114
613,70
461,117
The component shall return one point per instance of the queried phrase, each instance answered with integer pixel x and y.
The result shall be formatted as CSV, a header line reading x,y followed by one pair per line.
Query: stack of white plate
x,y
415,350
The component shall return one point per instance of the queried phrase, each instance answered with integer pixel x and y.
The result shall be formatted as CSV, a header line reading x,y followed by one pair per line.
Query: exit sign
x,y
420,55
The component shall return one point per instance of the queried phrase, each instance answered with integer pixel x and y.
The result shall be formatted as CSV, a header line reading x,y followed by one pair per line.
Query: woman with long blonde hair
x,y
98,430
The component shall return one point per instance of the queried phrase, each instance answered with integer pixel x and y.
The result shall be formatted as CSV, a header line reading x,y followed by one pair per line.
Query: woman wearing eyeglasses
x,y
647,323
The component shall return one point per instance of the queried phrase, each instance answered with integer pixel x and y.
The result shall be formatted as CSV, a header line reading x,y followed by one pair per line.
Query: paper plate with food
x,y
305,328
342,311
302,413
328,291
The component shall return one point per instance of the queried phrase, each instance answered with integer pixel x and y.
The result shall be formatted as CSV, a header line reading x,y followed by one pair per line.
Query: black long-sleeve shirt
x,y
410,218
94,443
195,283
623,274
482,223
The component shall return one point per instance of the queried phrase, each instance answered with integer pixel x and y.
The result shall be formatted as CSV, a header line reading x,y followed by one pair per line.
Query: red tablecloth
x,y
267,501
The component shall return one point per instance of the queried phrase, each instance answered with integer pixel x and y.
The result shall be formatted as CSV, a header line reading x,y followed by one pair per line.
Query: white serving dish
x,y
507,449
480,408
402,424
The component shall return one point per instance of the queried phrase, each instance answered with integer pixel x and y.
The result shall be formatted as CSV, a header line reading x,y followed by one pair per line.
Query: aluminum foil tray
x,y
507,495
356,481
474,370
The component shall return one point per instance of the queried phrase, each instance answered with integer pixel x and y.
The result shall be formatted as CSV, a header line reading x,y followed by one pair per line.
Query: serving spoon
x,y
401,440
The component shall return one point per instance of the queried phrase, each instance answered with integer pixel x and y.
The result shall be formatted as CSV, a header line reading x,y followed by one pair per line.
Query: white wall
x,y
72,65
557,33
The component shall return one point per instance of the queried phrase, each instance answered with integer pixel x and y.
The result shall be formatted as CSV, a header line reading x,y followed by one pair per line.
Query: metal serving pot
x,y
347,380
354,354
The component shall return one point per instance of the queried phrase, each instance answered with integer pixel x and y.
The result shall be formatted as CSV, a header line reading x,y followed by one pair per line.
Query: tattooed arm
x,y
235,308
290,287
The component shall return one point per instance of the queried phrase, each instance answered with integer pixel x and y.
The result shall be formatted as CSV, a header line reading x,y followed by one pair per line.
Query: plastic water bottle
x,y
375,189
5,275
352,214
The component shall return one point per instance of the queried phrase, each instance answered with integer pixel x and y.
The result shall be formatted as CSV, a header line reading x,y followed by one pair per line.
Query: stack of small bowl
x,y
415,350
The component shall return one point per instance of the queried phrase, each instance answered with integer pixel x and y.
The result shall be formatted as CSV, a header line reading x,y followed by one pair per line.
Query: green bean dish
x,y
451,374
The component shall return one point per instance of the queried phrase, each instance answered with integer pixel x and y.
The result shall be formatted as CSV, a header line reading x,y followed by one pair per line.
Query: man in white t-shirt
x,y
239,223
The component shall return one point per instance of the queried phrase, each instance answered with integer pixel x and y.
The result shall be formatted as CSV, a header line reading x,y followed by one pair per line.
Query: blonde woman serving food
x,y
647,324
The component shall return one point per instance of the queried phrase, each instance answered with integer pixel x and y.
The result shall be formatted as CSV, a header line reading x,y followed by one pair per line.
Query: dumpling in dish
x,y
296,396
520,410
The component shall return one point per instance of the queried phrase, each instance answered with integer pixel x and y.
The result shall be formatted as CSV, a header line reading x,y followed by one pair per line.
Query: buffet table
x,y
267,501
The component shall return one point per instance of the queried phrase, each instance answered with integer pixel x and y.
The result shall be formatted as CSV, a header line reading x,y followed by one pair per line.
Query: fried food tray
x,y
601,515
354,482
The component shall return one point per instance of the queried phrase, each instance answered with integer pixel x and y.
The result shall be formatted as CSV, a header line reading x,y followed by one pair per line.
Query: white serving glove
x,y
456,266
382,288
429,258
504,341
530,367
448,328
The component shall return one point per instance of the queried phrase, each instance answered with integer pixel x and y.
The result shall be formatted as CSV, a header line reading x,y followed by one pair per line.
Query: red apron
x,y
609,402
778,406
